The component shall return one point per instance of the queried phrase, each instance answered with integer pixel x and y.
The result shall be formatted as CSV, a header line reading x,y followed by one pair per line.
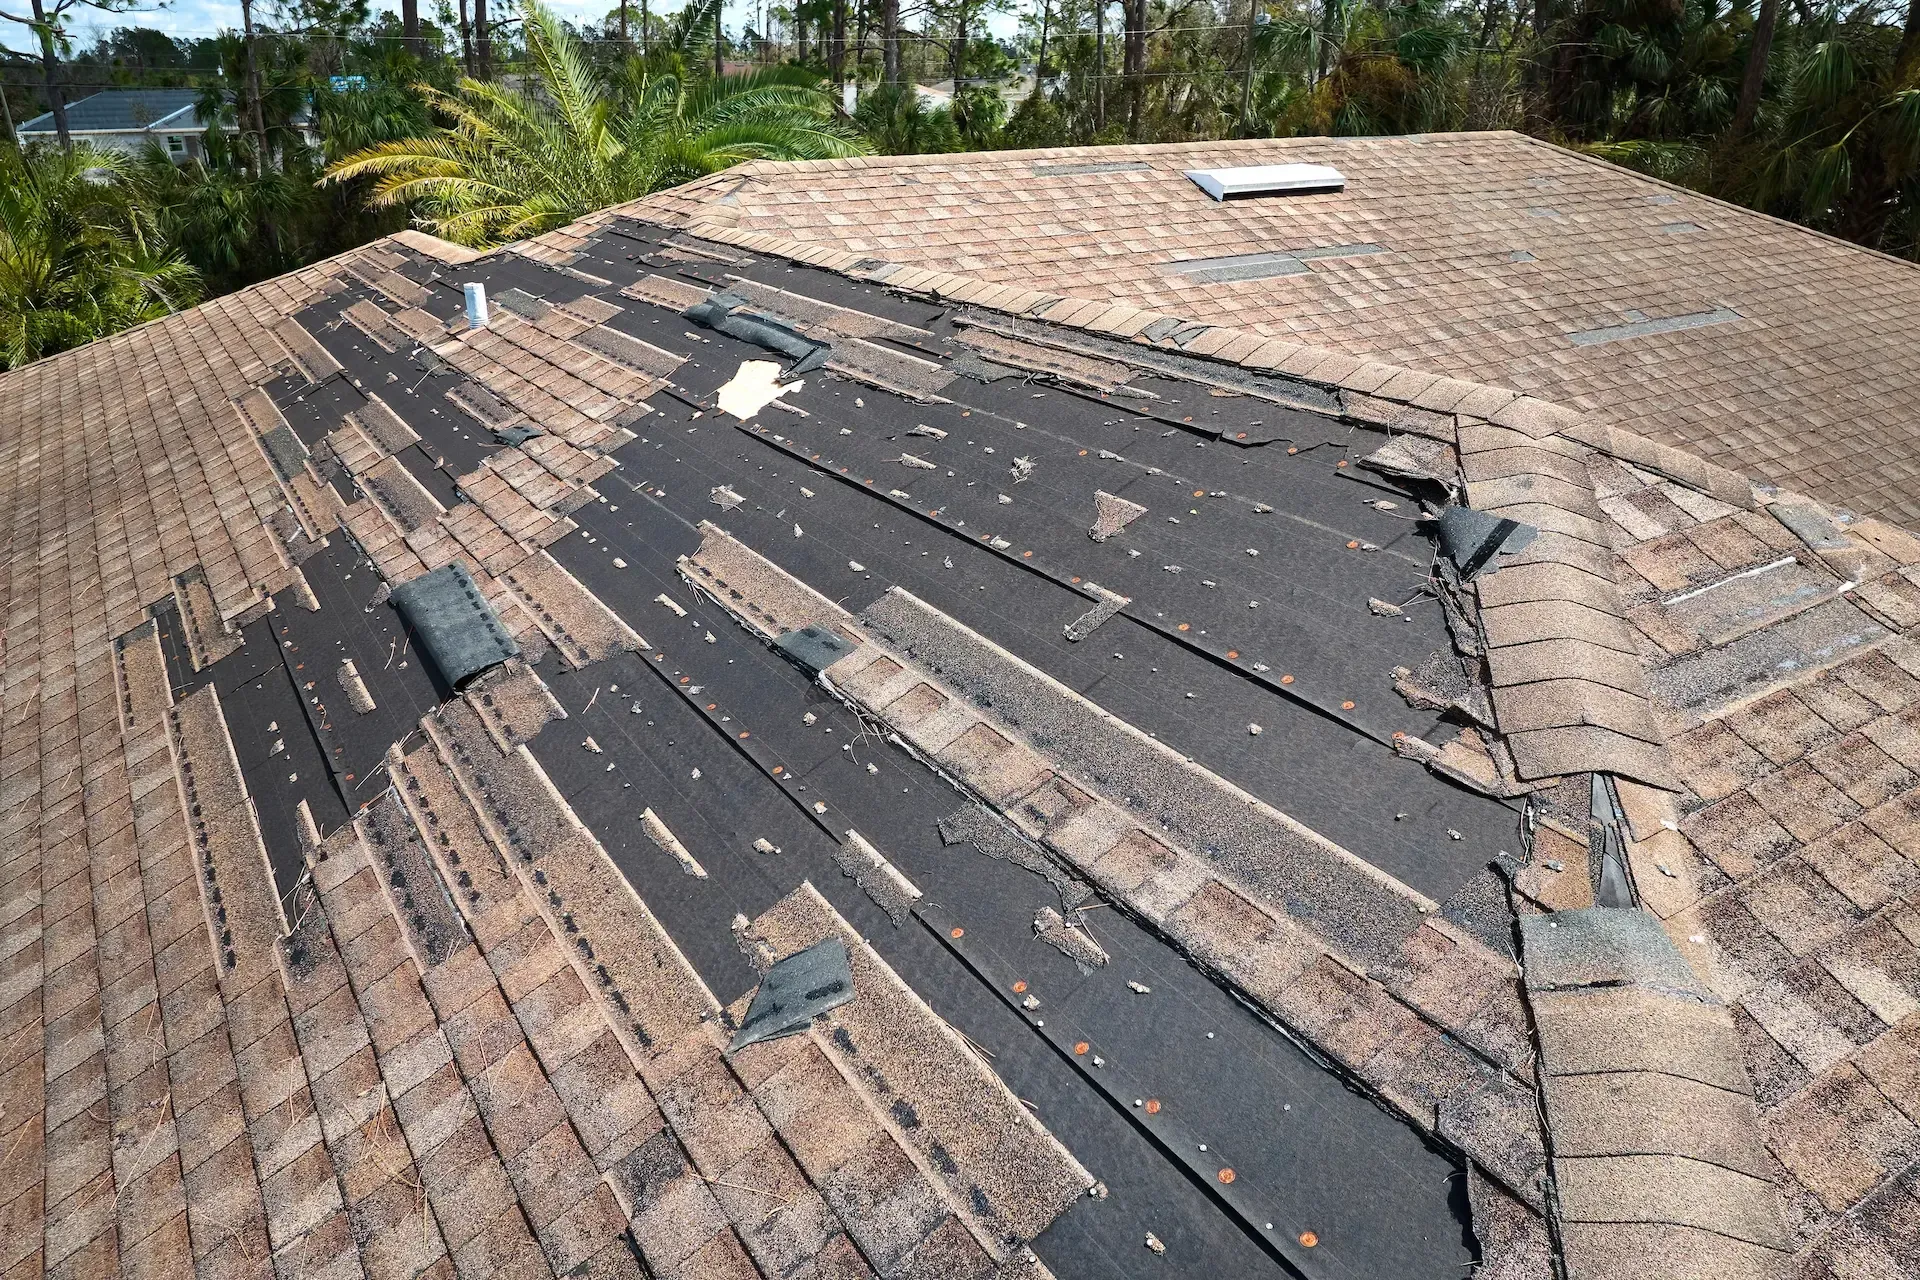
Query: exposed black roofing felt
x,y
123,109
1246,643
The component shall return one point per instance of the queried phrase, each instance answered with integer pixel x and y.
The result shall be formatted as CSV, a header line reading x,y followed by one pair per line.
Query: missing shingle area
x,y
1276,387
1097,166
1644,327
1266,266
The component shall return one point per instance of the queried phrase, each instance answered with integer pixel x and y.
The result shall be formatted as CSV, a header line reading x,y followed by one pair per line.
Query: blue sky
x,y
206,17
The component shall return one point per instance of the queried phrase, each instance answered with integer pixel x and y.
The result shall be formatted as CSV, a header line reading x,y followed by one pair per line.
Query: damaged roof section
x,y
1656,1150
1504,271
1118,793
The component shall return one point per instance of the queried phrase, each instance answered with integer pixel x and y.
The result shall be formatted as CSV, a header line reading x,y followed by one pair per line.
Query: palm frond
x,y
511,160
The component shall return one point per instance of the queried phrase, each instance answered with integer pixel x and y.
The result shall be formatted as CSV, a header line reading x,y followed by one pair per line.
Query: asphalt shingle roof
x,y
1504,260
310,963
124,109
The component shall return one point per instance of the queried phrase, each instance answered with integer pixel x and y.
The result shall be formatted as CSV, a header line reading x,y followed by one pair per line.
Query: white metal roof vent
x,y
1250,181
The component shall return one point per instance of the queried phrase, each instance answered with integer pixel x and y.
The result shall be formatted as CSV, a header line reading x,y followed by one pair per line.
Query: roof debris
x,y
795,991
753,388
658,832
1070,938
1471,539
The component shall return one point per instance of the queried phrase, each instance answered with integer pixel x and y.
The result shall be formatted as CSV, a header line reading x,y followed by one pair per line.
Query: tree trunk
x,y
256,119
482,40
959,63
837,45
1756,73
1099,65
1135,67
1246,84
410,25
1486,33
1909,51
1040,63
50,64
890,41
466,39
1328,10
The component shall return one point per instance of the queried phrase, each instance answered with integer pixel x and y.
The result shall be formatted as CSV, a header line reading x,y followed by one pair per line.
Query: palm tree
x,y
898,122
1356,68
514,162
1844,150
234,224
79,259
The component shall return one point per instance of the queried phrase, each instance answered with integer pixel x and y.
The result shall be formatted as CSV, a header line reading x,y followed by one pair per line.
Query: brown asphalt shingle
x,y
1802,389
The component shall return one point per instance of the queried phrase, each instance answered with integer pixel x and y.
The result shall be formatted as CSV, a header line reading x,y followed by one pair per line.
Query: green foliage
x,y
352,120
578,120
233,223
897,122
514,161
79,258
1670,161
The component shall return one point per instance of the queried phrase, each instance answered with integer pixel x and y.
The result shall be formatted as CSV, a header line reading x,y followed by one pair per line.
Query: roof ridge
x,y
1024,154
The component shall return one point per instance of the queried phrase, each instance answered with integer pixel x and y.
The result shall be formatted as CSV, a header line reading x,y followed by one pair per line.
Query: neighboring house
x,y
127,120
777,755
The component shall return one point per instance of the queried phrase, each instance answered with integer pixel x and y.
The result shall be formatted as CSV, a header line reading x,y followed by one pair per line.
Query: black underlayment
x,y
1248,580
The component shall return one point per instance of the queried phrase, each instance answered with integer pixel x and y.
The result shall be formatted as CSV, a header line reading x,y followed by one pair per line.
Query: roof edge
x,y
936,159
1726,205
434,247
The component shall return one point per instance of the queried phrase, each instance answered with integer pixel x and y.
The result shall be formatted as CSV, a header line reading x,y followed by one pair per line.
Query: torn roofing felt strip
x,y
718,313
1471,539
795,991
456,626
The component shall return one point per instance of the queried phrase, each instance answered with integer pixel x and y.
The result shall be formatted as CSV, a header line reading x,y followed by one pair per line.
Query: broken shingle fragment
x,y
1069,939
1112,514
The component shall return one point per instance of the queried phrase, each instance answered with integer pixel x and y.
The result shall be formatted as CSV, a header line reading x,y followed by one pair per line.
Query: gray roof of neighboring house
x,y
125,110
